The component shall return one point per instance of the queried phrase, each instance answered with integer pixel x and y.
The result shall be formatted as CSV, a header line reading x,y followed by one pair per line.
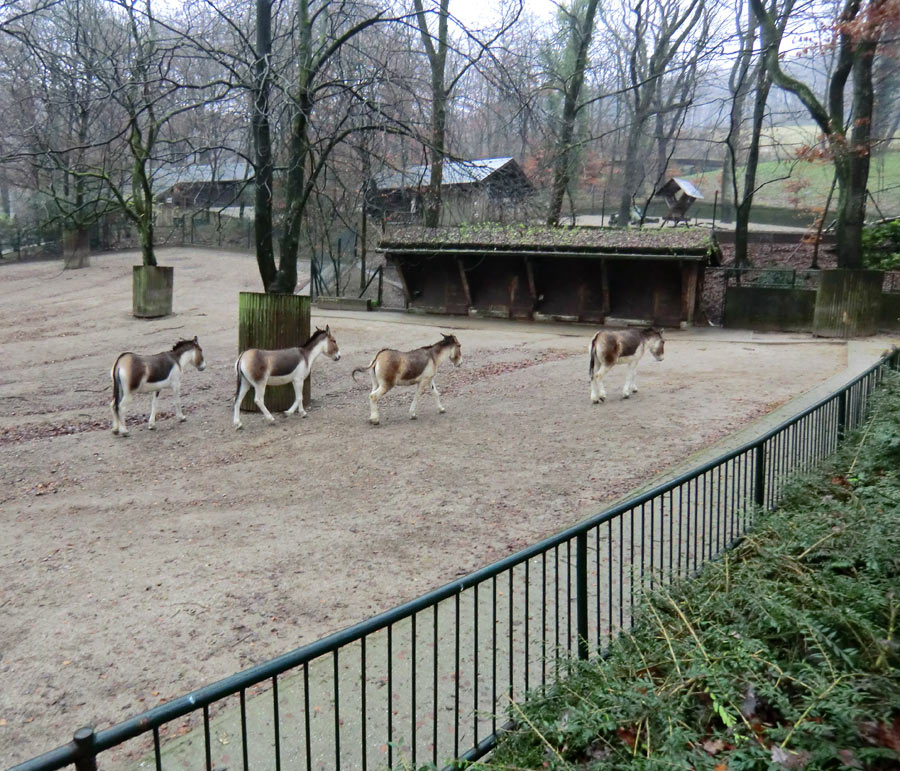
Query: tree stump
x,y
151,291
273,321
848,303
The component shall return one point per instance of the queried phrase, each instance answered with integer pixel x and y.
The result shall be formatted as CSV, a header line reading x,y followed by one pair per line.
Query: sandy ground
x,y
135,570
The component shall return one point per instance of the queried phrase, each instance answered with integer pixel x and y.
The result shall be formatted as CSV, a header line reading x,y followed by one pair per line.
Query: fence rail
x,y
426,681
787,278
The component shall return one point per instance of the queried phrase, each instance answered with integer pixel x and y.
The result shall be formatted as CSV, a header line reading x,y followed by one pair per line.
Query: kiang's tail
x,y
591,365
117,390
363,369
237,372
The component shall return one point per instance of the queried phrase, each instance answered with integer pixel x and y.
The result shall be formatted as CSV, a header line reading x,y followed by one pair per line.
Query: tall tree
x,y
578,21
844,113
662,42
749,77
437,45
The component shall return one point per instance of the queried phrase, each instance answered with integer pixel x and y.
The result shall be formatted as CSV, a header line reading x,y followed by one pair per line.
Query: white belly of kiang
x,y
280,379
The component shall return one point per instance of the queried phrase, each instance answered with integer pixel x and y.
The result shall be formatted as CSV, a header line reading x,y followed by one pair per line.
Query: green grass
x,y
784,654
805,185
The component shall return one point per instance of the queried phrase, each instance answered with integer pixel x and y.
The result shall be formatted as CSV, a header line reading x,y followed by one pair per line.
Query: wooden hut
x,y
576,274
679,194
486,190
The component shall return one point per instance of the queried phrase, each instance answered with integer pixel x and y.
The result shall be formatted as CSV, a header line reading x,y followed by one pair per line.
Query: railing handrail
x,y
241,681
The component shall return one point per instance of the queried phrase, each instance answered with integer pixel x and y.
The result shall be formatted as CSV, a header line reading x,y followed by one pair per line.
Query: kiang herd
x,y
257,369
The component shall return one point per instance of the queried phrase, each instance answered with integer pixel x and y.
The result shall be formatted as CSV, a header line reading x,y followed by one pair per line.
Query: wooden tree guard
x,y
273,321
848,303
151,291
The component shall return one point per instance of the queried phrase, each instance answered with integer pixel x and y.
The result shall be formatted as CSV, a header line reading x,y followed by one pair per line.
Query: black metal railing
x,y
426,681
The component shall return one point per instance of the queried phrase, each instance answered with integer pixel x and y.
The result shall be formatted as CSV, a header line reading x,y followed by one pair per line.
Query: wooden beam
x,y
407,295
604,289
689,275
464,280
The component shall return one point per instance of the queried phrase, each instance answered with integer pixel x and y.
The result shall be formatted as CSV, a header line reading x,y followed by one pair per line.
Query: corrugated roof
x,y
684,184
455,173
198,173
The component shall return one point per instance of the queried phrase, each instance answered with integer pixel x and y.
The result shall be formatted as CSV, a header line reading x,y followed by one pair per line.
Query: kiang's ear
x,y
327,329
196,340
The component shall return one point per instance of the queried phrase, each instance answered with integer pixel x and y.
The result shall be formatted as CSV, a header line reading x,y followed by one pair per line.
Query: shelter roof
x,y
455,173
636,243
676,184
167,176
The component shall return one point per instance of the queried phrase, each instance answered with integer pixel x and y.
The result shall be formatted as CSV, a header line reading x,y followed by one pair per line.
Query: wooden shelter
x,y
679,194
575,274
486,190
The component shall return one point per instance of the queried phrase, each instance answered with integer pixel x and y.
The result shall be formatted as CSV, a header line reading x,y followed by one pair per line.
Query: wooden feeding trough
x,y
573,274
679,194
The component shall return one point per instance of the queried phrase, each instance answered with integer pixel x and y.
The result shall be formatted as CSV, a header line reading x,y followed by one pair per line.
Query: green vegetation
x,y
881,246
805,185
784,654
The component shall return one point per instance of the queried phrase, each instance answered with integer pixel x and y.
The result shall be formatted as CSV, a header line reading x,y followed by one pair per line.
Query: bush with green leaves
x,y
881,246
783,654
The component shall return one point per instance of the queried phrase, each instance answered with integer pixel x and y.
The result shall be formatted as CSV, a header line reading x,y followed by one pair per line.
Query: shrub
x,y
881,246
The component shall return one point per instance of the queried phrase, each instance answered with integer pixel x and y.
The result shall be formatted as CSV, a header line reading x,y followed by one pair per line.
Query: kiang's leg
x,y
298,399
420,386
242,392
151,423
598,390
377,393
176,395
437,398
630,387
259,398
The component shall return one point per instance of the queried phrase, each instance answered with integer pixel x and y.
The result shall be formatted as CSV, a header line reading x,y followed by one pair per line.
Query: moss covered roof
x,y
519,237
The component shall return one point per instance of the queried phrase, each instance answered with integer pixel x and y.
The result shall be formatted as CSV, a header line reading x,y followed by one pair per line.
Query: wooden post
x,y
273,321
151,291
689,271
464,280
848,303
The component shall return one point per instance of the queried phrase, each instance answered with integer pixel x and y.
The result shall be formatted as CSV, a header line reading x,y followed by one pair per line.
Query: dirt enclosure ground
x,y
135,570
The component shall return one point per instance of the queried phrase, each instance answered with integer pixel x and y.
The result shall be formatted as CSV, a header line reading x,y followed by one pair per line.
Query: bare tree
x,y
578,26
661,43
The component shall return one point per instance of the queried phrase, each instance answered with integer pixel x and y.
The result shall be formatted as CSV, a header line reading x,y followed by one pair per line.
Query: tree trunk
x,y
262,141
273,321
562,166
630,172
76,248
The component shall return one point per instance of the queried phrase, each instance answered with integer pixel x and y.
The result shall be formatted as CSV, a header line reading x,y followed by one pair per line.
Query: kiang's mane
x,y
183,345
314,337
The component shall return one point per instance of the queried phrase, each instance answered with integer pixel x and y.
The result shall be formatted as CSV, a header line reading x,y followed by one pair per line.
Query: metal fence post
x,y
842,414
759,487
581,594
84,740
